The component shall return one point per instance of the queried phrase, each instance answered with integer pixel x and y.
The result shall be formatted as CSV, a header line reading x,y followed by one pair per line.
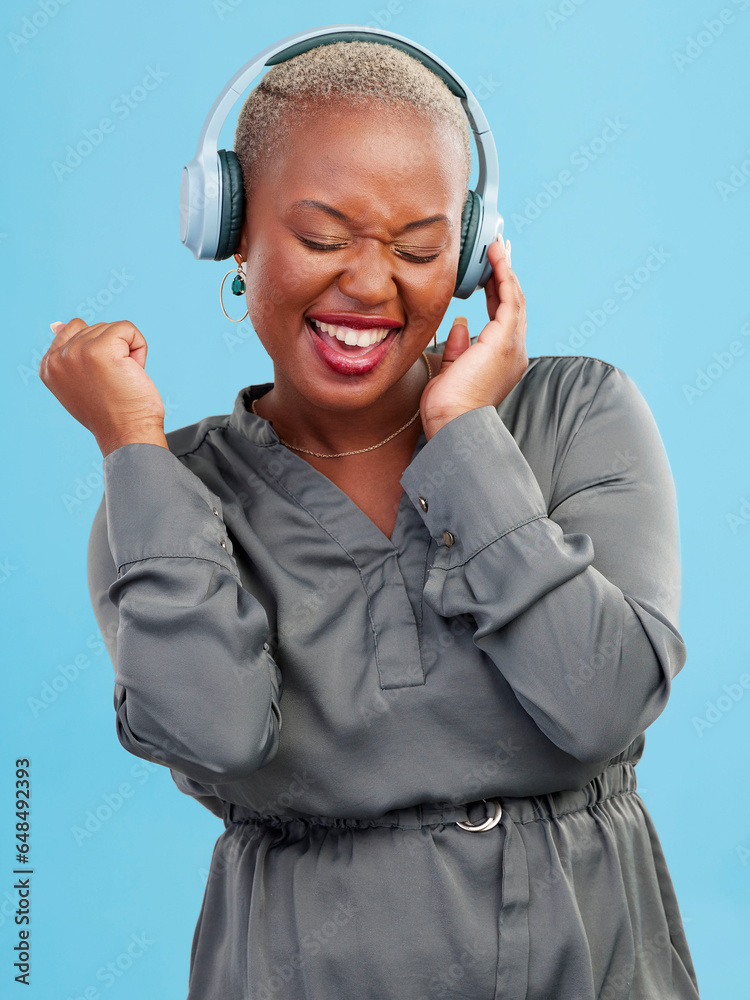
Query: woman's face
x,y
378,171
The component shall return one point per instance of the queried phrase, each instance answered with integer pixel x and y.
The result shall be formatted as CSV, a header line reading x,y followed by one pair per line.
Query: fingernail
x,y
57,322
460,321
507,251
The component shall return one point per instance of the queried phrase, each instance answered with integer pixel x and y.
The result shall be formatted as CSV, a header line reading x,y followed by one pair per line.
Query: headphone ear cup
x,y
232,204
470,217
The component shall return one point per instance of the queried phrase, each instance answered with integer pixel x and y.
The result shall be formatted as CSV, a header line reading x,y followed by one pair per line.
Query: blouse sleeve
x,y
577,605
196,687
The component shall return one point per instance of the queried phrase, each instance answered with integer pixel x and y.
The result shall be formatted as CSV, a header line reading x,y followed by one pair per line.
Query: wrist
x,y
431,430
431,427
144,435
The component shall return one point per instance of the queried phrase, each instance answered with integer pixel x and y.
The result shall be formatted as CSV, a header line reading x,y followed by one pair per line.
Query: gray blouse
x,y
342,700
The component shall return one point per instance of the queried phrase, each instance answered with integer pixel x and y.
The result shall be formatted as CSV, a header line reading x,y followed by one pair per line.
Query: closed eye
x,y
340,246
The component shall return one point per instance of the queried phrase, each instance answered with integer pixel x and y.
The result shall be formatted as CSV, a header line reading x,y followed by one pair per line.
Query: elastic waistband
x,y
615,779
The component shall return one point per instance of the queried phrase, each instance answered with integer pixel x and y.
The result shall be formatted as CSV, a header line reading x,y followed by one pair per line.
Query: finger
x,y
127,342
496,256
135,342
511,297
459,340
65,331
492,295
125,339
74,336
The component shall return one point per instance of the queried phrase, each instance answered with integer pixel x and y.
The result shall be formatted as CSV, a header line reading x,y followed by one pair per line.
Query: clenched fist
x,y
98,374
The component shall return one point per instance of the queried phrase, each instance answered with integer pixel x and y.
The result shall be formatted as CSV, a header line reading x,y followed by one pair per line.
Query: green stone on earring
x,y
238,285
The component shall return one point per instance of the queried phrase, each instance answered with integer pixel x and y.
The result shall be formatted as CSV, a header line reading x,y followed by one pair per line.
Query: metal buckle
x,y
488,823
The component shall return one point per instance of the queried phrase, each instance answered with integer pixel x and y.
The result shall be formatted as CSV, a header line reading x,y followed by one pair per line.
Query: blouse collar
x,y
257,429
254,428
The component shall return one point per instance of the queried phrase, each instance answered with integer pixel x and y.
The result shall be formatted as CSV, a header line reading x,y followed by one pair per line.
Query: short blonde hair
x,y
357,72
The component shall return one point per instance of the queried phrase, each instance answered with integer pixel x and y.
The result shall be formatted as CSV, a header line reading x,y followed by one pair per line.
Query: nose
x,y
368,274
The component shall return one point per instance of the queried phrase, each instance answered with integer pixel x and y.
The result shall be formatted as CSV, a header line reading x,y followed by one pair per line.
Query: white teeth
x,y
358,338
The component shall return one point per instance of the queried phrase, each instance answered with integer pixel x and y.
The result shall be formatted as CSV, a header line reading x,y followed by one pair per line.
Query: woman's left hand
x,y
481,374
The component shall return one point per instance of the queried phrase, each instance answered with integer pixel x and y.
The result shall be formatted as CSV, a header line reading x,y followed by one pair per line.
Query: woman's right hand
x,y
98,374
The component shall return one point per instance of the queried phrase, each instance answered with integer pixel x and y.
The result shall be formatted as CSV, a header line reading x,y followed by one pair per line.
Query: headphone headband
x,y
203,198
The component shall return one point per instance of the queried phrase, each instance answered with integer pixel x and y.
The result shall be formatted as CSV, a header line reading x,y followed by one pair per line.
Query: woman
x,y
453,577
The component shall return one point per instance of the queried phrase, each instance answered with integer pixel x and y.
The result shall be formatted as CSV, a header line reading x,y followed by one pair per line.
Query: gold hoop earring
x,y
238,288
434,340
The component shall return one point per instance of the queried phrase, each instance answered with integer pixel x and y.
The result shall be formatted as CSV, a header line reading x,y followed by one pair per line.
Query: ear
x,y
242,246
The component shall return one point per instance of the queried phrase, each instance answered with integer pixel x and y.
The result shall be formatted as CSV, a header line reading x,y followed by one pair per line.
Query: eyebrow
x,y
312,203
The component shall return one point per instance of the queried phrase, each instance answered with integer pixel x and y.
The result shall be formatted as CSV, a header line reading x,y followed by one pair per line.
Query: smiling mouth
x,y
346,341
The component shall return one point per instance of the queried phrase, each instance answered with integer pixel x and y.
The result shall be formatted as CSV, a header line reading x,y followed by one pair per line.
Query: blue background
x,y
549,75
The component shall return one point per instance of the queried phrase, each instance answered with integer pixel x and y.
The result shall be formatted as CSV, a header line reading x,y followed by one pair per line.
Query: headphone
x,y
212,198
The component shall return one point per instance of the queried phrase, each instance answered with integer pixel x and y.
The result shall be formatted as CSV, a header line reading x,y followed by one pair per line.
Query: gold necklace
x,y
341,454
